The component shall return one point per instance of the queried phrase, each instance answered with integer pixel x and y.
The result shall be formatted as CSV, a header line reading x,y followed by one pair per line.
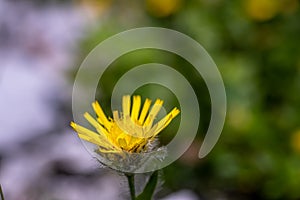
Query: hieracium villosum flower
x,y
132,131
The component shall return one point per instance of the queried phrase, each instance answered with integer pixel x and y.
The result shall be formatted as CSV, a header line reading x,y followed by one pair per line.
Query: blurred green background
x,y
255,44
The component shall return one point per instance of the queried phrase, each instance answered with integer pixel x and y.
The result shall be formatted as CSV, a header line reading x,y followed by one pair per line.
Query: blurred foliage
x,y
255,44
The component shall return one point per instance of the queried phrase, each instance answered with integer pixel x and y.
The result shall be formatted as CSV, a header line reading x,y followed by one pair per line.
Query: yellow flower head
x,y
128,132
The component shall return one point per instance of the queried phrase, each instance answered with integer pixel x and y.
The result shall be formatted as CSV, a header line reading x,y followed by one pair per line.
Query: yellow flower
x,y
132,132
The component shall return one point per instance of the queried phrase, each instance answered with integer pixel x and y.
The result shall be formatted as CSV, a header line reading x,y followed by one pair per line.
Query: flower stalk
x,y
148,190
130,178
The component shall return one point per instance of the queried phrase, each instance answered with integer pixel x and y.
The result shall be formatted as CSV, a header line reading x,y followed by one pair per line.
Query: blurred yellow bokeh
x,y
262,10
295,141
163,8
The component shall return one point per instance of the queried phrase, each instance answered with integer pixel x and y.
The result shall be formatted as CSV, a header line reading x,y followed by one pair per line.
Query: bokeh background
x,y
255,44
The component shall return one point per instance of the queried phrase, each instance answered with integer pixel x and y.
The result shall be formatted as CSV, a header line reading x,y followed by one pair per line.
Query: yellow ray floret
x,y
130,131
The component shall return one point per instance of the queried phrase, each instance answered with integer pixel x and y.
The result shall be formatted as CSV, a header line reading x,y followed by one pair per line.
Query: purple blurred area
x,y
40,156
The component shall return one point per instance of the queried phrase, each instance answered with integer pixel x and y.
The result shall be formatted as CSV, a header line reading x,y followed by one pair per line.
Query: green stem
x,y
130,178
1,193
149,189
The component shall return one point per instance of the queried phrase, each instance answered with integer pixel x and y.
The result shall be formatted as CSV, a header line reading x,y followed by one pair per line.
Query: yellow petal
x,y
163,123
81,130
110,151
94,123
96,142
154,111
144,111
91,120
89,135
101,116
126,106
135,108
